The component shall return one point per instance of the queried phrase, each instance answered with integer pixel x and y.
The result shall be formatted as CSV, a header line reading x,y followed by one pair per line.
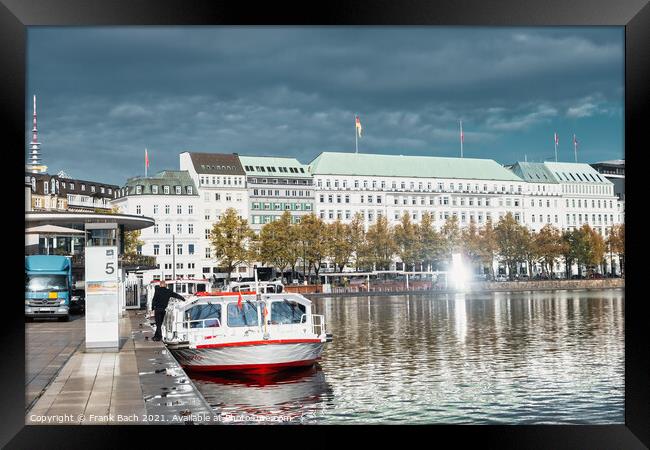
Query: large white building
x,y
276,185
388,185
340,185
221,183
176,240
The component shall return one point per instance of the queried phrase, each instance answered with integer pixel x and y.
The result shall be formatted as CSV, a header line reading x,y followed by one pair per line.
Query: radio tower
x,y
34,159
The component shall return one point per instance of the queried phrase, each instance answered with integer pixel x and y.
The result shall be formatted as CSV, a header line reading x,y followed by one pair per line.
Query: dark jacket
x,y
161,298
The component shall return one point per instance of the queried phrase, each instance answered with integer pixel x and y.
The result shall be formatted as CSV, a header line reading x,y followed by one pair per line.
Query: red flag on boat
x,y
239,301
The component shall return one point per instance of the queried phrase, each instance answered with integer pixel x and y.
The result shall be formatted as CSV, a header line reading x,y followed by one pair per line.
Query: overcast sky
x,y
104,94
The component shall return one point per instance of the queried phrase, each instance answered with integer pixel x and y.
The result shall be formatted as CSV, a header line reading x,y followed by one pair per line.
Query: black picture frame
x,y
16,15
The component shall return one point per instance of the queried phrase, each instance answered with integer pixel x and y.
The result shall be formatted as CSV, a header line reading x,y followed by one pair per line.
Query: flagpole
x,y
145,162
356,136
461,138
555,140
575,147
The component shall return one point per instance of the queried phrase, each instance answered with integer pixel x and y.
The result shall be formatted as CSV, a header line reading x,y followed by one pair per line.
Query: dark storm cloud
x,y
107,93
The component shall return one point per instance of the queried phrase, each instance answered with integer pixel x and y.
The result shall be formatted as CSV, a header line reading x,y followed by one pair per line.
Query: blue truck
x,y
48,286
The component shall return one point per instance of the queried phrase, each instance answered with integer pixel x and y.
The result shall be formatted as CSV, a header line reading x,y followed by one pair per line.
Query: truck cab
x,y
48,286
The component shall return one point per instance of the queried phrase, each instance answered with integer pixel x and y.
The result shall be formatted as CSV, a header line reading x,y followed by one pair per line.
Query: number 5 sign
x,y
101,263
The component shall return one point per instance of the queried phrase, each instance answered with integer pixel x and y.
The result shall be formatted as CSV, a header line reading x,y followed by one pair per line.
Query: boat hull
x,y
258,357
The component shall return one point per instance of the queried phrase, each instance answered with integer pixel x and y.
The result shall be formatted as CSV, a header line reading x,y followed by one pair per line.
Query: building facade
x,y
221,183
56,193
172,200
388,185
276,185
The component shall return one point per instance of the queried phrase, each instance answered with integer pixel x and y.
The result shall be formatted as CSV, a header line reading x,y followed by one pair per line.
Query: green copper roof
x,y
575,173
363,164
534,172
268,166
171,178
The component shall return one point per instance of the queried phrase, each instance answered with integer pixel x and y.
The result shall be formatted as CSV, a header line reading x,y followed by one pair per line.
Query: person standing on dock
x,y
159,303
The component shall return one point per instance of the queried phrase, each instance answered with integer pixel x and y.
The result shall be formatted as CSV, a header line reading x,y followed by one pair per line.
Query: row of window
x,y
272,169
168,249
421,186
586,189
53,186
217,197
168,266
278,181
276,193
178,190
282,206
599,218
179,228
221,181
167,209
586,203
268,219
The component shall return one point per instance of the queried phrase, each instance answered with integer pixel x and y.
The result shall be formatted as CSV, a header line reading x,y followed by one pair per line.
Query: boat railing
x,y
317,323
189,333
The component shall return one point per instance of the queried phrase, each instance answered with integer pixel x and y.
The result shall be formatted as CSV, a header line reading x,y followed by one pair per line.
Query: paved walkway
x,y
48,346
142,383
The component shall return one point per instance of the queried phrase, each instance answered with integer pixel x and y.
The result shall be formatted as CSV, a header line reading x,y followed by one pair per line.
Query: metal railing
x,y
191,334
317,324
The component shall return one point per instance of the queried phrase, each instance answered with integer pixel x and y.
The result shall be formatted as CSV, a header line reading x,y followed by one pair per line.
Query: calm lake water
x,y
518,358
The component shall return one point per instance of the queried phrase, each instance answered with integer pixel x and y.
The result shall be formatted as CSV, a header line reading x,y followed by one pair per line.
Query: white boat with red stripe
x,y
244,331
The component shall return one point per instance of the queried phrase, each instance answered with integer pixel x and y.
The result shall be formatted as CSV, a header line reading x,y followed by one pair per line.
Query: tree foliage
x,y
231,241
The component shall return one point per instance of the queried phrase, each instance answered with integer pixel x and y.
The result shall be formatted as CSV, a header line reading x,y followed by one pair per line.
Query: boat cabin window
x,y
286,312
244,317
204,316
242,288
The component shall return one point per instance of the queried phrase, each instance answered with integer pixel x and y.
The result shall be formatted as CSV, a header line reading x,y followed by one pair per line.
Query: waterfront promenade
x,y
141,383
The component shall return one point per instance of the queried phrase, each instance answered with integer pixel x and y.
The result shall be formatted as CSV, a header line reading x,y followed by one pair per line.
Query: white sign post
x,y
102,304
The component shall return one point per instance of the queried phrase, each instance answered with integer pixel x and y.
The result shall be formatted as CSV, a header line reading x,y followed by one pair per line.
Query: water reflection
x,y
525,357
298,394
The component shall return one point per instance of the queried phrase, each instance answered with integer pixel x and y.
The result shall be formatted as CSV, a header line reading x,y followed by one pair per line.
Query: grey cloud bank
x,y
107,93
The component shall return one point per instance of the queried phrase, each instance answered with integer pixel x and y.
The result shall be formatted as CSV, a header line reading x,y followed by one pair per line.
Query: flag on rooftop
x,y
358,125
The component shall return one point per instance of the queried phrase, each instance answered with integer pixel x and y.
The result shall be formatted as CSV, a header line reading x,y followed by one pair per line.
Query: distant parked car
x,y
577,277
596,276
501,278
78,301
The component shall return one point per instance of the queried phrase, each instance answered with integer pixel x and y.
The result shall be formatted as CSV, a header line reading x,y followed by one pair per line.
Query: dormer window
x,y
92,188
83,187
138,189
166,190
178,190
154,189
46,187
189,190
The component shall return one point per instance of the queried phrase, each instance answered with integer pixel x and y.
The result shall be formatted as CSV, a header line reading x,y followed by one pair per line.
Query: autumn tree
x,y
342,244
406,240
594,246
549,246
429,242
314,238
488,245
471,242
357,238
230,239
380,245
275,242
509,240
528,248
450,237
616,241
